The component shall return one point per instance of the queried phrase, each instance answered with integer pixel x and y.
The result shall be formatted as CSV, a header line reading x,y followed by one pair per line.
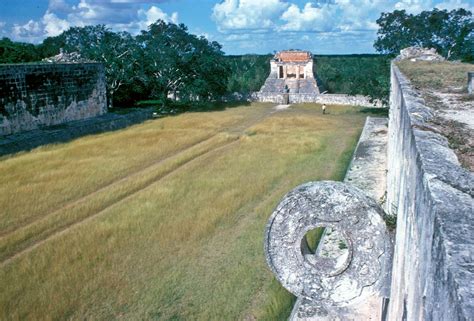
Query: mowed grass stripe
x,y
90,172
41,216
191,246
260,306
35,184
30,236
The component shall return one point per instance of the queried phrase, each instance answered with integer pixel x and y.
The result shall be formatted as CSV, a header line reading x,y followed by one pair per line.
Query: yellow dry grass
x,y
440,76
164,220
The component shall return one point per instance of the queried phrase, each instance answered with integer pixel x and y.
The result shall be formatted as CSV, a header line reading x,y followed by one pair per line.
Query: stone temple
x,y
292,81
291,71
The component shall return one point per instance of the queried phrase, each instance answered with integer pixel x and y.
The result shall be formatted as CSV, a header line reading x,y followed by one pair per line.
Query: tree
x,y
450,33
16,52
176,62
248,72
117,51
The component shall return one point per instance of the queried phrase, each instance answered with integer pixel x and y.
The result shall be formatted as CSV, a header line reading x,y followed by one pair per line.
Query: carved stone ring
x,y
354,243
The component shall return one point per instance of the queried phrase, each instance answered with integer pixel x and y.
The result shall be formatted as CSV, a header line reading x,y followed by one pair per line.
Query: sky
x,y
241,26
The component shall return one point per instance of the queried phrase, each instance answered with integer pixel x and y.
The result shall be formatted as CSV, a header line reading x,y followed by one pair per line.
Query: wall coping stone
x,y
451,189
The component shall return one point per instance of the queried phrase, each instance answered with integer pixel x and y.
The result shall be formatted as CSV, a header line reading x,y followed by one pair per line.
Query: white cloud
x,y
285,16
149,16
247,14
30,31
2,28
309,18
324,25
53,25
455,4
58,6
413,6
237,37
119,15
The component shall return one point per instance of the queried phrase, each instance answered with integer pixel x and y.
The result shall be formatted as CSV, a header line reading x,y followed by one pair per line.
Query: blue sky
x,y
241,26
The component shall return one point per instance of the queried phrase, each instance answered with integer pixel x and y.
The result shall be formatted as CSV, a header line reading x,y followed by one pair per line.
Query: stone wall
x,y
37,95
431,195
329,99
470,82
268,98
71,130
341,99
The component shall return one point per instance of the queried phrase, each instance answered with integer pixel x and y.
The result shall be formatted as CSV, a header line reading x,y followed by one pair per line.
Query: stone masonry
x,y
470,82
428,192
292,81
432,197
354,291
291,72
28,140
36,95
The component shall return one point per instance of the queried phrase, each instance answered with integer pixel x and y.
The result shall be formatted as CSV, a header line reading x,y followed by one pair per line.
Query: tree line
x,y
167,61
449,32
163,61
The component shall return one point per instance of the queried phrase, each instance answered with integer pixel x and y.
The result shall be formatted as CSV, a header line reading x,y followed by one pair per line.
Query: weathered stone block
x,y
431,195
35,95
336,278
470,82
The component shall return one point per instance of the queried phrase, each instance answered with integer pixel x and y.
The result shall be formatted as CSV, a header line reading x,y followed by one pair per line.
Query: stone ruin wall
x,y
470,82
37,95
329,99
291,81
432,197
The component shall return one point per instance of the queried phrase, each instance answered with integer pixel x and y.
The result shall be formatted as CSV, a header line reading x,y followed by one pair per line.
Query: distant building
x,y
292,81
291,72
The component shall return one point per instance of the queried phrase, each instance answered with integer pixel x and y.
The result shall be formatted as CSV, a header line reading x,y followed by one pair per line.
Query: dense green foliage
x,y
248,72
178,63
163,60
167,60
367,75
15,52
449,32
118,52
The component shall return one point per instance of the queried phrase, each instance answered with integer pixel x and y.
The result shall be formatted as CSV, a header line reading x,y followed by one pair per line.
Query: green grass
x,y
163,220
313,237
440,76
443,86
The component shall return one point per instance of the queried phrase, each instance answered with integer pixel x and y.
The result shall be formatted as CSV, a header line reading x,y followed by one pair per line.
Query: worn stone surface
x,y
329,286
432,197
419,54
66,57
67,131
291,72
367,172
470,82
329,99
292,81
368,168
36,95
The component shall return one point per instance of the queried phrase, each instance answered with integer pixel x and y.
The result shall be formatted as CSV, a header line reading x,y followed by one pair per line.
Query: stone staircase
x,y
295,86
273,85
308,86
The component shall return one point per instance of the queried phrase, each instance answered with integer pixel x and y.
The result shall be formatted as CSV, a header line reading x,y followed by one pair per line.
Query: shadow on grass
x,y
375,111
173,108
